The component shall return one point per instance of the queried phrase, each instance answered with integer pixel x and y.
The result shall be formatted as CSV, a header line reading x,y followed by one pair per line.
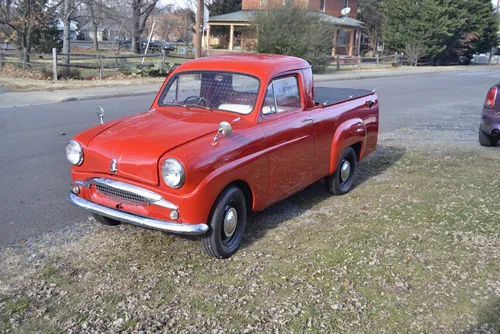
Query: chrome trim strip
x,y
153,197
162,225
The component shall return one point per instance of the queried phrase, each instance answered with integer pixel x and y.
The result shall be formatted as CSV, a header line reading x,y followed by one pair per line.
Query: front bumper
x,y
162,225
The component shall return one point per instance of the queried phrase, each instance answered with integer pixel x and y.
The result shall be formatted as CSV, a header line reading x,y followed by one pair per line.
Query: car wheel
x,y
487,140
227,223
341,181
106,220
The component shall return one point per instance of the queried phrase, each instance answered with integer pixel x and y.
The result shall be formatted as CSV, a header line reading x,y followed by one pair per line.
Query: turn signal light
x,y
491,97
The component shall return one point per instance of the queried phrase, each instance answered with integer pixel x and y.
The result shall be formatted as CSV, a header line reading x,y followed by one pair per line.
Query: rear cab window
x,y
225,91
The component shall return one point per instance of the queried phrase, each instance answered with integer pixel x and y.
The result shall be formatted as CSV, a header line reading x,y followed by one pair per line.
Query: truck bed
x,y
331,95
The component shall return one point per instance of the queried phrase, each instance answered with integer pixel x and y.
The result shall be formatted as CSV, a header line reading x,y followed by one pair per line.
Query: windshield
x,y
225,91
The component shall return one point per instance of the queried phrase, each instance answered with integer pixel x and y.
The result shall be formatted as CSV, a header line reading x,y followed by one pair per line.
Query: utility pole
x,y
199,29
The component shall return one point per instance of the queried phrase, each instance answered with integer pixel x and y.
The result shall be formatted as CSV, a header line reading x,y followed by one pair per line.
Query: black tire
x,y
338,183
221,241
106,220
487,140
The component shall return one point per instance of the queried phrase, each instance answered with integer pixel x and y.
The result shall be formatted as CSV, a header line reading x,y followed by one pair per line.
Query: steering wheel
x,y
199,100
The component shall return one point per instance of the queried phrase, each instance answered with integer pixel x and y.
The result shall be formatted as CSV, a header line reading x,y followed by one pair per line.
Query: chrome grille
x,y
121,196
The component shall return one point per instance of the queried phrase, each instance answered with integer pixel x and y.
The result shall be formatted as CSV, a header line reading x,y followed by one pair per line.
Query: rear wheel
x,y
487,140
227,223
106,220
341,181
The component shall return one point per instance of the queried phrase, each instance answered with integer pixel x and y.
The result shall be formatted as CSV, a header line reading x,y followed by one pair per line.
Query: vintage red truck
x,y
224,136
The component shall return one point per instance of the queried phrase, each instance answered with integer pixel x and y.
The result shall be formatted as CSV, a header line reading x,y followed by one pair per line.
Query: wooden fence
x,y
359,62
100,62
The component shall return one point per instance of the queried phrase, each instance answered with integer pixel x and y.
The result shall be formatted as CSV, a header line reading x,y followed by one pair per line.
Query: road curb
x,y
105,96
331,77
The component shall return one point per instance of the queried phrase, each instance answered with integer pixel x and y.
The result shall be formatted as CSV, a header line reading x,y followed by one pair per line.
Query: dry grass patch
x,y
415,247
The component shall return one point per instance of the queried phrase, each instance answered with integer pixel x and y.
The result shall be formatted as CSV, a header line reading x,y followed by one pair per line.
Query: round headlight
x,y
173,173
74,153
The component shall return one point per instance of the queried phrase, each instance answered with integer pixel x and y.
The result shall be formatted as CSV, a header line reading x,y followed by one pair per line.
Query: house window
x,y
354,36
346,3
262,2
322,5
288,2
342,38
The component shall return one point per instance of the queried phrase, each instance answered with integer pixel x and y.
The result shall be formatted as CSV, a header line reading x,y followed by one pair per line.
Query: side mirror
x,y
100,114
225,129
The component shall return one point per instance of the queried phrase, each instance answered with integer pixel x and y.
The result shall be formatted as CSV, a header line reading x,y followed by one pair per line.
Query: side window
x,y
282,95
269,106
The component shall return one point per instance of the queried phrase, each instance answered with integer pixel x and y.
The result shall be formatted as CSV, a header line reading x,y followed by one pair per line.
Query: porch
x,y
241,37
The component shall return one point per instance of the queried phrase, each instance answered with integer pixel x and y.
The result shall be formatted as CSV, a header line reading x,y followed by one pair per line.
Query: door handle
x,y
308,119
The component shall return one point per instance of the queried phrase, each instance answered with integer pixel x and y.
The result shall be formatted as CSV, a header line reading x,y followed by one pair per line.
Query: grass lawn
x,y
415,247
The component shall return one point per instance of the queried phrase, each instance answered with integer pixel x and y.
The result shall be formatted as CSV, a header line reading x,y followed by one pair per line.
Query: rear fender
x,y
347,134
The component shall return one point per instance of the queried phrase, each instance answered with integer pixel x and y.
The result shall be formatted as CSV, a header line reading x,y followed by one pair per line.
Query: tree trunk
x,y
94,27
96,41
66,32
136,35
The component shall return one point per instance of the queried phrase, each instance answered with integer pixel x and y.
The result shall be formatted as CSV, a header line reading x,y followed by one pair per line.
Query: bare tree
x,y
69,8
22,18
137,10
94,12
141,10
414,51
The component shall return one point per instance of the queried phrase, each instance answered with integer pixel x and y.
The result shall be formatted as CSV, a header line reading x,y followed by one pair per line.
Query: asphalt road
x,y
35,177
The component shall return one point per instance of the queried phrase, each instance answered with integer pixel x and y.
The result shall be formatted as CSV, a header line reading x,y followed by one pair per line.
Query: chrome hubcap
x,y
345,170
230,222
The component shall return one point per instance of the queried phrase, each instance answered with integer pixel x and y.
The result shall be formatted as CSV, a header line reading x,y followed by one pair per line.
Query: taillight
x,y
491,97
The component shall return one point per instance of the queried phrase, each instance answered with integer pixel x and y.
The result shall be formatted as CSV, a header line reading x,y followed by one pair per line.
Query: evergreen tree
x,y
481,25
442,30
47,37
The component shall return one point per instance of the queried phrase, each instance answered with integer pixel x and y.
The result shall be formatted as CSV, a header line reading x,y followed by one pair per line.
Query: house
x,y
346,37
73,29
171,27
107,30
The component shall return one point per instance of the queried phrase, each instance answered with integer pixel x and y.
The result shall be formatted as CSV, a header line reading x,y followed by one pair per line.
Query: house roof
x,y
73,25
104,25
246,16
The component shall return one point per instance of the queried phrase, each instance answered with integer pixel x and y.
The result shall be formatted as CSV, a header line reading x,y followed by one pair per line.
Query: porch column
x,y
208,37
231,37
359,42
351,42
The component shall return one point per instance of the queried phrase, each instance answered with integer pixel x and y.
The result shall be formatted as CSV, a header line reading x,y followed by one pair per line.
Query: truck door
x,y
289,138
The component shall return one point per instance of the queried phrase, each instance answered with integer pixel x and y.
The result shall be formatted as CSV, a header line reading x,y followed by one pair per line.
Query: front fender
x,y
347,134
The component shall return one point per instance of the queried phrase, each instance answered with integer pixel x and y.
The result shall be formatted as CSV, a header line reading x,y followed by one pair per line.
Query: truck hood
x,y
138,142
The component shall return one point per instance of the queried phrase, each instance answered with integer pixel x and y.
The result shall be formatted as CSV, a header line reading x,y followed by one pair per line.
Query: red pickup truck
x,y
225,135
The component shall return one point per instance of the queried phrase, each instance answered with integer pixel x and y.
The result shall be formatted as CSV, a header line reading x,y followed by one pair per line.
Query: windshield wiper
x,y
187,106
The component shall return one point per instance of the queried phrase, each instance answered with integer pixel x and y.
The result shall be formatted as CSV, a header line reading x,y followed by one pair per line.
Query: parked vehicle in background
x,y
181,40
489,130
157,46
225,135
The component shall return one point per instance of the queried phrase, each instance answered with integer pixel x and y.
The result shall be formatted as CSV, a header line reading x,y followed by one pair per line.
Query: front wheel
x,y
487,140
341,181
227,223
105,220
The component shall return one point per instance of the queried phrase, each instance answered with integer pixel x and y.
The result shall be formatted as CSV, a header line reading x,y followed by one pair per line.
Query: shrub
x,y
69,73
157,70
292,30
